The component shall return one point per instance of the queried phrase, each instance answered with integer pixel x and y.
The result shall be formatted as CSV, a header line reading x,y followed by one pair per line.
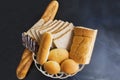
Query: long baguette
x,y
23,69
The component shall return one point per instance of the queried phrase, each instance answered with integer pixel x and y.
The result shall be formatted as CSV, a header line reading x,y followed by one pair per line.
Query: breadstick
x,y
26,59
44,48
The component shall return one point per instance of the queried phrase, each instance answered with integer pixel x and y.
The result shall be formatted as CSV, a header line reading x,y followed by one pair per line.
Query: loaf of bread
x,y
82,45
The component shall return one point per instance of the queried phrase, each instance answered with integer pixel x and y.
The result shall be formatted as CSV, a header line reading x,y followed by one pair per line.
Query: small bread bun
x,y
69,66
58,55
52,67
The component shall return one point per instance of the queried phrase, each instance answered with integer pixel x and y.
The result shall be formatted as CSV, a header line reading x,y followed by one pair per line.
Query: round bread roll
x,y
58,55
69,66
52,67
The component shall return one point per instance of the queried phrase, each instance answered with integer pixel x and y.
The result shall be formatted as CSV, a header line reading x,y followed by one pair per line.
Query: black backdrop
x,y
17,16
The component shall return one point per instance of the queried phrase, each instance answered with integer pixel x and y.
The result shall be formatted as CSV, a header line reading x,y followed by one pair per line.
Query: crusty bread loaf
x,y
82,45
44,48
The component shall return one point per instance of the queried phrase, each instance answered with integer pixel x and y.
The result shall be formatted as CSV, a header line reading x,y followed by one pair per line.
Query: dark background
x,y
17,16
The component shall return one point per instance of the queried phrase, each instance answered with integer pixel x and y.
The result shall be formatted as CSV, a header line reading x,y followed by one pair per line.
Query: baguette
x,y
21,69
49,14
44,48
25,69
50,11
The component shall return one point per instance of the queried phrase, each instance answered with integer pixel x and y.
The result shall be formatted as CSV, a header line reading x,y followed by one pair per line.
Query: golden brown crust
x,y
26,53
50,11
52,67
58,55
83,31
82,45
25,69
24,64
44,48
69,66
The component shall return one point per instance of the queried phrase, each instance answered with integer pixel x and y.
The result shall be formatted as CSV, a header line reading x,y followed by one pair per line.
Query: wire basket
x,y
60,75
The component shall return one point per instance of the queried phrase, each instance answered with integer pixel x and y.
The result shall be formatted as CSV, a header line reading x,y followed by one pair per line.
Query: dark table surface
x,y
17,16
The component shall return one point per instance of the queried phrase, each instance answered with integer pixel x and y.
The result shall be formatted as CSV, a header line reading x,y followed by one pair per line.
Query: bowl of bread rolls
x,y
58,48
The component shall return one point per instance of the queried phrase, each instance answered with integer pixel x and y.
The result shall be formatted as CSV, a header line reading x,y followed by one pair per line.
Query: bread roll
x,y
44,48
69,66
52,67
58,55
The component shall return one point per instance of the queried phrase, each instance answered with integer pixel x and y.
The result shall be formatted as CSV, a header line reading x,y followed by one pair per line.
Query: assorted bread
x,y
82,42
59,30
58,61
65,41
59,45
